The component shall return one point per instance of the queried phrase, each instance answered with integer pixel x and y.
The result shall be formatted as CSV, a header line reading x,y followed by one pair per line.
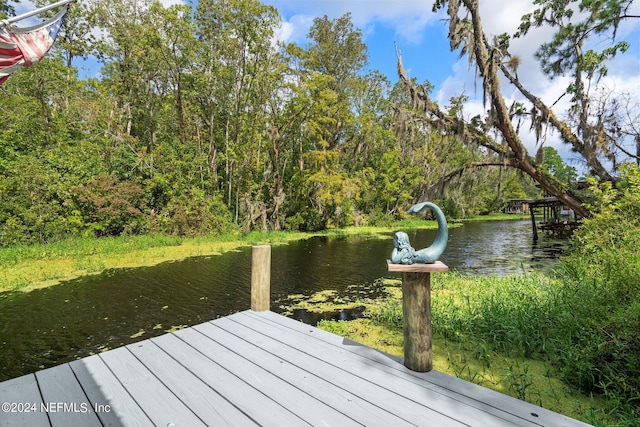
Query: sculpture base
x,y
416,312
436,267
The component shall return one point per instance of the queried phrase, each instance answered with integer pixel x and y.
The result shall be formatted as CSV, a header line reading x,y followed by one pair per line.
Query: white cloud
x,y
407,17
295,29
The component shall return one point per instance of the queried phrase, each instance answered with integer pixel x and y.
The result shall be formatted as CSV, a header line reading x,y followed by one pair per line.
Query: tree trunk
x,y
516,156
488,68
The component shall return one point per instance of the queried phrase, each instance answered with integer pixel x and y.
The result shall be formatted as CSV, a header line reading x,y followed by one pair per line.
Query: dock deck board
x,y
255,368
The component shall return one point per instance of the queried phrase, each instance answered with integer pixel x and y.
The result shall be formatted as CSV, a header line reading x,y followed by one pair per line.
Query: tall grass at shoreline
x,y
569,321
465,354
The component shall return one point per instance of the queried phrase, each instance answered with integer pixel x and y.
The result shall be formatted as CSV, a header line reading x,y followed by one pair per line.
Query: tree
x,y
556,166
332,61
492,60
134,79
588,129
327,92
239,72
6,10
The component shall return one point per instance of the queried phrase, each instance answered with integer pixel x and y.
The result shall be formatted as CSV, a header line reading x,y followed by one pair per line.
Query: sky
x,y
421,36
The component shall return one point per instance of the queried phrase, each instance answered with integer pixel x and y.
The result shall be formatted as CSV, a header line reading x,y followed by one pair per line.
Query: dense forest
x,y
200,122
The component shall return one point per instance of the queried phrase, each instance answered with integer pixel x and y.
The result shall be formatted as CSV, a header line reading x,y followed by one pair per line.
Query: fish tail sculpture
x,y
403,253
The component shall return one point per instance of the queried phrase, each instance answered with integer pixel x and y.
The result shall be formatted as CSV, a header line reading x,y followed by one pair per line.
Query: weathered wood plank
x,y
258,368
418,392
341,370
312,383
290,398
468,393
206,403
113,405
159,403
66,403
476,395
260,408
261,277
24,403
436,267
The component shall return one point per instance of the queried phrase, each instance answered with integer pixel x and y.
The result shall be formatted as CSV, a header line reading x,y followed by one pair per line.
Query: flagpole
x,y
37,11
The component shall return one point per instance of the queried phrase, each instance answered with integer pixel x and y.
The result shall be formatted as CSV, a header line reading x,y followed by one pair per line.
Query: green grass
x,y
495,217
563,341
585,333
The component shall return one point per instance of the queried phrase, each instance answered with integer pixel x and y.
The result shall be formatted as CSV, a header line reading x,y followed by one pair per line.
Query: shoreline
x,y
24,269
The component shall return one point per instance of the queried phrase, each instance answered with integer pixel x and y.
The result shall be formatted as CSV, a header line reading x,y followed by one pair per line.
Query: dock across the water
x,y
255,368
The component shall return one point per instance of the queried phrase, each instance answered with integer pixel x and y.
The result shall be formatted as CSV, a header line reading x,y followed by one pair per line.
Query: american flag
x,y
21,47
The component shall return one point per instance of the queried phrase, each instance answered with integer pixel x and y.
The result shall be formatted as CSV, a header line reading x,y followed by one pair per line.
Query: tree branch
x,y
441,120
438,187
566,133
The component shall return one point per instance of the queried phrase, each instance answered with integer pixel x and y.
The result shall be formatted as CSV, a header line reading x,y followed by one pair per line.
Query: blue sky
x,y
420,36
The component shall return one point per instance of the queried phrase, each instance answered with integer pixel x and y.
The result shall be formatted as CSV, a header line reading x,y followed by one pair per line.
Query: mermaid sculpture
x,y
403,253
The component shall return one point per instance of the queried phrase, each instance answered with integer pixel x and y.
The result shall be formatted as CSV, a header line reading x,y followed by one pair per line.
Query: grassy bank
x,y
496,217
34,266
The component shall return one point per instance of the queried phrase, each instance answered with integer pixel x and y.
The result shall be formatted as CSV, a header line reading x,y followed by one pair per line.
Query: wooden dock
x,y
254,368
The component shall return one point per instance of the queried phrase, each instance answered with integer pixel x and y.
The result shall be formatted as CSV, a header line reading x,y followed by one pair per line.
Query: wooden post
x,y
416,312
533,224
260,278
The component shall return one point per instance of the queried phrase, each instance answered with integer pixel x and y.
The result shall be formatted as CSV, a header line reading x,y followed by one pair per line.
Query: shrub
x,y
603,269
194,213
110,207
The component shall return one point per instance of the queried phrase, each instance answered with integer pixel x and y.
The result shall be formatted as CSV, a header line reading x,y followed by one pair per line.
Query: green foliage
x,y
192,214
589,339
559,55
606,264
111,208
198,125
388,314
6,10
556,166
585,320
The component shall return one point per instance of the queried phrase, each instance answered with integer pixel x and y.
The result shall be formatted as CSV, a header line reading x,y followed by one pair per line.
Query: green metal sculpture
x,y
403,253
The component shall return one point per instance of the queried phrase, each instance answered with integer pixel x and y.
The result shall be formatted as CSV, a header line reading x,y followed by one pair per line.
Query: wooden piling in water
x,y
533,224
416,312
261,278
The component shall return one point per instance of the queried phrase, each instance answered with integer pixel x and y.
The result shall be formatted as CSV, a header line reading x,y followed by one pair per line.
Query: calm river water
x,y
80,317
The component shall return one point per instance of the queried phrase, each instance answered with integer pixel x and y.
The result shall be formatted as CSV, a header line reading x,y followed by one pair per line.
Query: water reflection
x,y
91,314
500,248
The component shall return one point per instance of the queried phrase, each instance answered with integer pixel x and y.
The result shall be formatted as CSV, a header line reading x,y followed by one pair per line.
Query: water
x,y
80,317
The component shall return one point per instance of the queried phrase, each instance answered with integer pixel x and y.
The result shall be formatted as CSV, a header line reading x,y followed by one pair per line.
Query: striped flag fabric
x,y
21,47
